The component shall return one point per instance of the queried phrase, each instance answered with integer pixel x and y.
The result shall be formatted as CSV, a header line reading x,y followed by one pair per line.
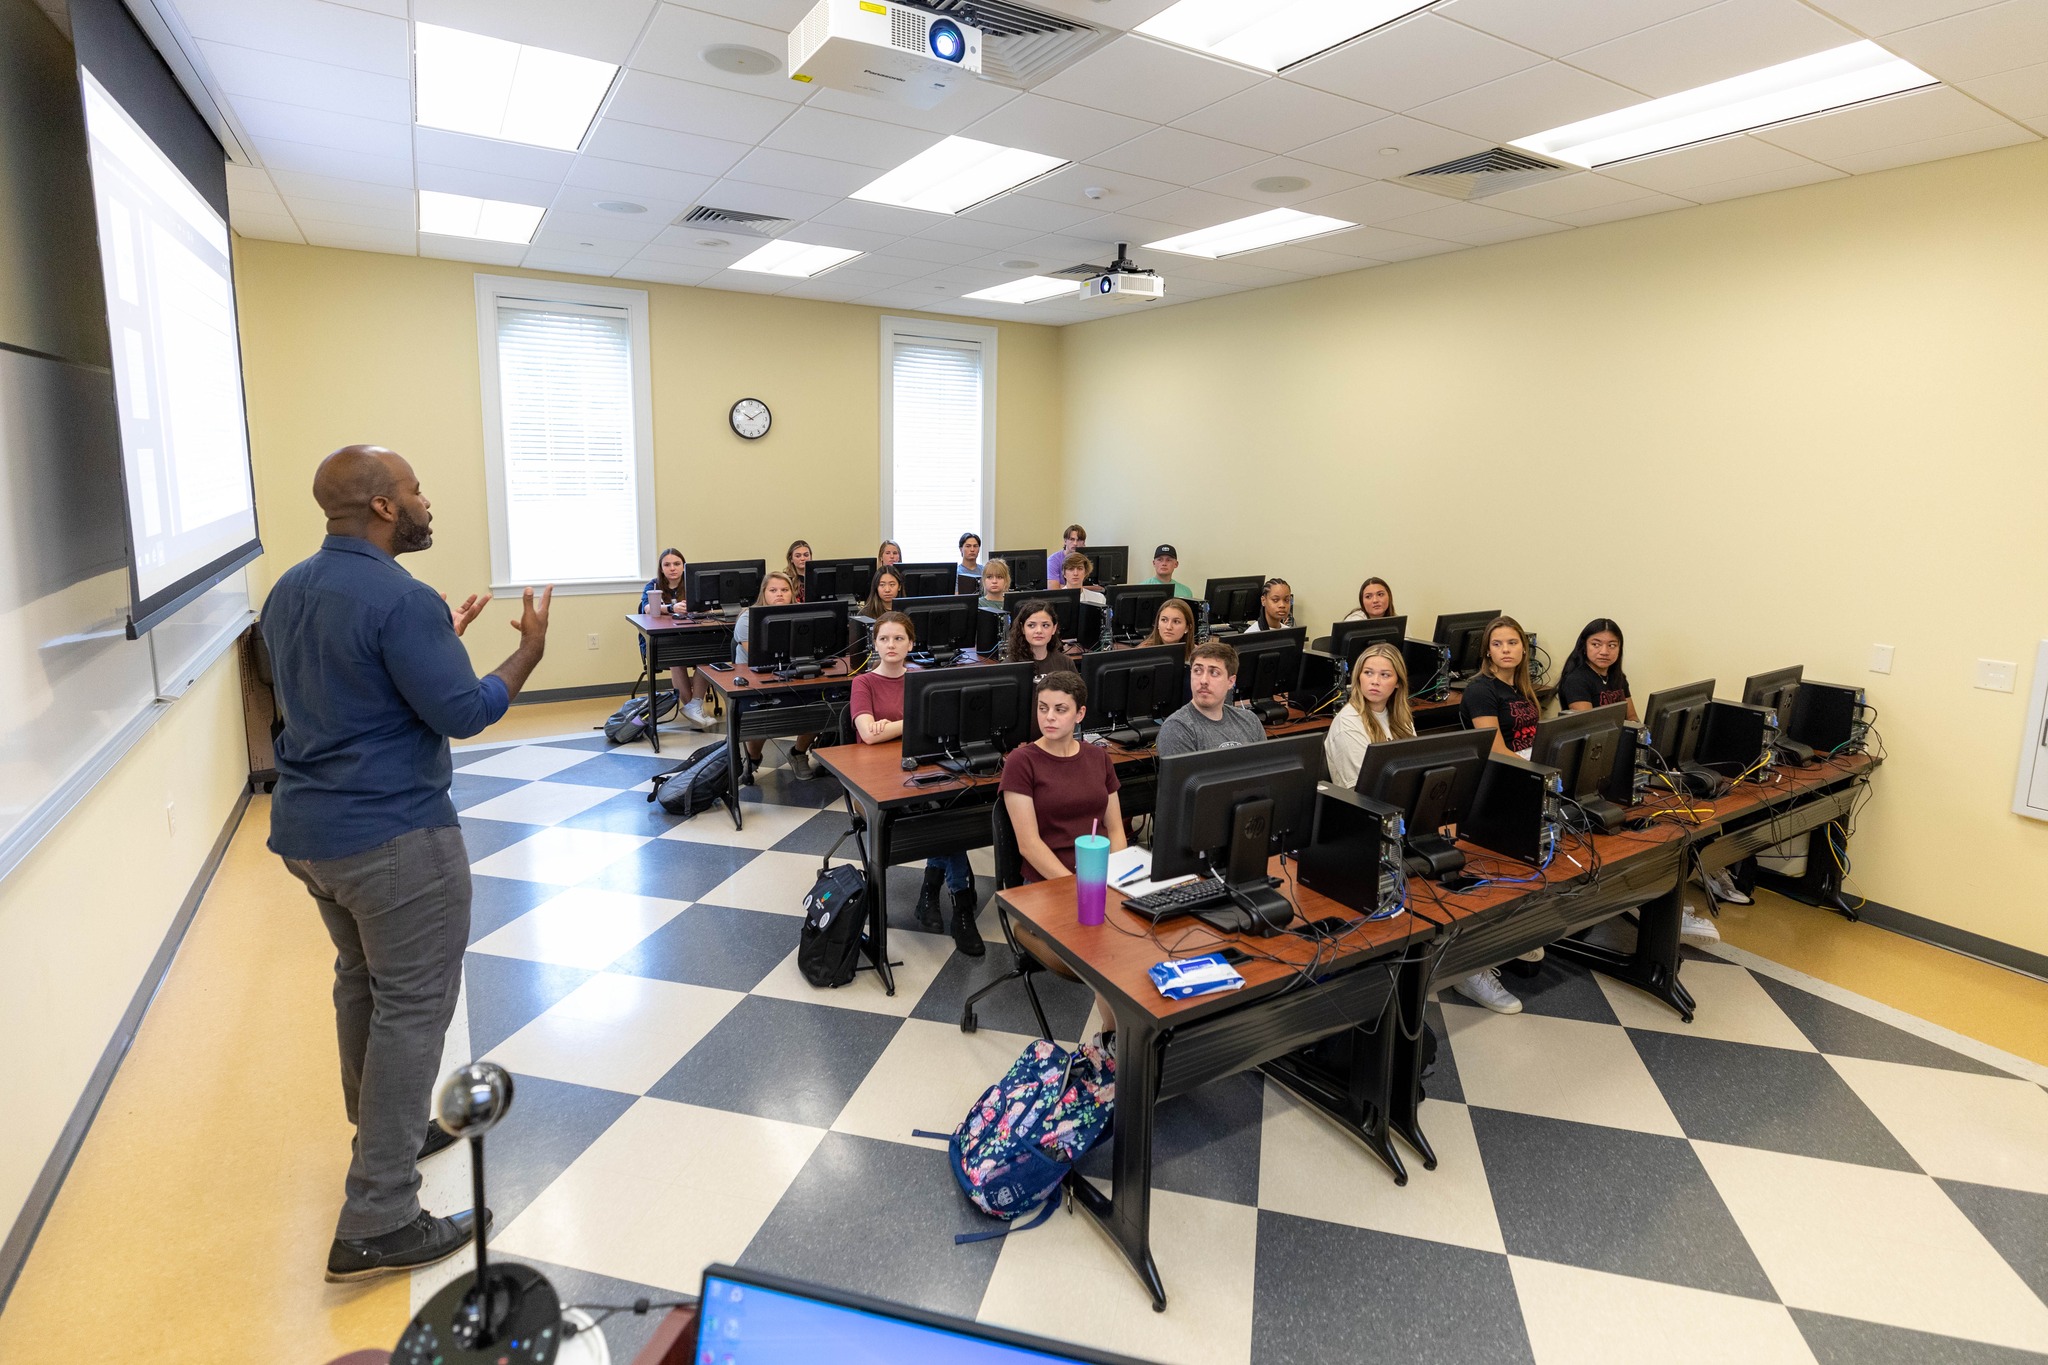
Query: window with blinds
x,y
938,459
571,483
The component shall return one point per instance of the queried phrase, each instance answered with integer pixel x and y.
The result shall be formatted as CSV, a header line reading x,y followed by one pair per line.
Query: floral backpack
x,y
1028,1129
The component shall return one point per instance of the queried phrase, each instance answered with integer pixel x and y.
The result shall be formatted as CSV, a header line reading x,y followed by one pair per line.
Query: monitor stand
x,y
936,658
1256,907
1137,734
1599,814
973,760
1269,711
1432,856
1792,751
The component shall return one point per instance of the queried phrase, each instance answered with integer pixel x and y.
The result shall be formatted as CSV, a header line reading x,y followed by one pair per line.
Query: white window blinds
x,y
571,471
937,459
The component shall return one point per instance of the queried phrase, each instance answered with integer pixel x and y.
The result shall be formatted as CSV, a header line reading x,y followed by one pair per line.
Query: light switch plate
x,y
1880,658
1996,675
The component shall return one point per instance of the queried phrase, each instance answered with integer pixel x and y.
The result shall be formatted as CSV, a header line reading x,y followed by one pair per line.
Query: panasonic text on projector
x,y
893,52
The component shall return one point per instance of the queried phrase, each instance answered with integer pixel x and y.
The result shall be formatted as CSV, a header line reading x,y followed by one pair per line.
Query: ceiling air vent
x,y
1019,45
732,220
1488,172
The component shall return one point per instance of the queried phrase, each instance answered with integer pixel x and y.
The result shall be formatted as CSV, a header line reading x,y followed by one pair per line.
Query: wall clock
x,y
751,418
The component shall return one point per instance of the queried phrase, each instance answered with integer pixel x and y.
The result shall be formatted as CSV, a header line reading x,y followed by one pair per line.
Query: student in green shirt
x,y
1165,560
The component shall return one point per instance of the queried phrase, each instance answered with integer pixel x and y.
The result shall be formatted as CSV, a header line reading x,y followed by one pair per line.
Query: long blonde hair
x,y
787,582
1187,612
1522,682
1401,719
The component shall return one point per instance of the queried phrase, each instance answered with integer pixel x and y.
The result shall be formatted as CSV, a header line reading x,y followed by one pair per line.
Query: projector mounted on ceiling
x,y
1121,281
894,52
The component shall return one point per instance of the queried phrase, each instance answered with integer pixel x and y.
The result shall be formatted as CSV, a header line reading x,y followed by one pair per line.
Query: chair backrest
x,y
1003,838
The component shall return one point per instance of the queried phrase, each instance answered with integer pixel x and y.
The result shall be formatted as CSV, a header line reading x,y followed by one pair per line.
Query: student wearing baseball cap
x,y
1165,559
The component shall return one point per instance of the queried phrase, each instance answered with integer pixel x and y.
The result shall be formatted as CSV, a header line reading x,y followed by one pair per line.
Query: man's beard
x,y
410,535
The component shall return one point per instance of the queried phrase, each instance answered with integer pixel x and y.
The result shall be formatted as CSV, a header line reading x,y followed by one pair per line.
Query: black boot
x,y
966,937
928,916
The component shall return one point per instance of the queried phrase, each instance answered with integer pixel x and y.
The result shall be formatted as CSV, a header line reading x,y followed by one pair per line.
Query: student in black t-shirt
x,y
1501,696
1592,675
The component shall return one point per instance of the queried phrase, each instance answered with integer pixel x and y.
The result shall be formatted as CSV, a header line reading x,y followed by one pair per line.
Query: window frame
x,y
490,289
895,328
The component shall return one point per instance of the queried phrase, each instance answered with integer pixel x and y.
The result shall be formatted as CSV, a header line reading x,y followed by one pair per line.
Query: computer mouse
x,y
741,682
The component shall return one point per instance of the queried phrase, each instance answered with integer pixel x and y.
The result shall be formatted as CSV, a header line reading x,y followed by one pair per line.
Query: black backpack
x,y
629,722
699,782
835,913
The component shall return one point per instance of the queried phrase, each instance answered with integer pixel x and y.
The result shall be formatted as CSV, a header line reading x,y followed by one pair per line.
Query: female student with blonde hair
x,y
995,581
777,590
1174,625
1375,601
1376,710
888,552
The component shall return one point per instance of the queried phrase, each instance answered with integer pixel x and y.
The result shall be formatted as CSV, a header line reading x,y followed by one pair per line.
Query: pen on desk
x,y
1130,876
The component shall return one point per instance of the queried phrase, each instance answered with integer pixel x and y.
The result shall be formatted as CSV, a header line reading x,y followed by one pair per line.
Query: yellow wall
x,y
1770,431
83,916
342,346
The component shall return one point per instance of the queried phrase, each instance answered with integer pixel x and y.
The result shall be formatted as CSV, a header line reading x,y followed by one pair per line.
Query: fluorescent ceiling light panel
x,y
493,220
487,87
1255,233
1272,35
1030,289
794,258
957,174
1855,73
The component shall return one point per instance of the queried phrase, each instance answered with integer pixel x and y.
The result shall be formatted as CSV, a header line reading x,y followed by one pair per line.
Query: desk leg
x,y
875,943
1355,1092
1653,966
1404,1070
1822,883
1126,1212
734,711
653,712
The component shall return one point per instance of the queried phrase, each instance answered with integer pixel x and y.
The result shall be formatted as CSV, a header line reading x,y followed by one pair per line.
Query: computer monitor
x,y
941,627
1432,780
1464,634
802,636
749,1317
1348,639
1132,607
846,579
1268,667
1077,626
1773,690
1112,564
991,628
1584,747
1672,720
1223,812
1233,601
966,719
1027,569
1130,691
927,580
728,585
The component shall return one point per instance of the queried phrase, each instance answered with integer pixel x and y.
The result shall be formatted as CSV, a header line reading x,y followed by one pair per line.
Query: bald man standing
x,y
373,682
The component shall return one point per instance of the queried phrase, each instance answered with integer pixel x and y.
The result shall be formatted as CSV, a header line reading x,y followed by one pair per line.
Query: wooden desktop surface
x,y
762,682
654,624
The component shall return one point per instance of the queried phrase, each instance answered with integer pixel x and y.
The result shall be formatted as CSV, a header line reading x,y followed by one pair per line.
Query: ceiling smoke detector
x,y
739,60
621,206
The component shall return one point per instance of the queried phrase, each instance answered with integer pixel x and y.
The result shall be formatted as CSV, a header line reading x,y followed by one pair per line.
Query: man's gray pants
x,y
399,918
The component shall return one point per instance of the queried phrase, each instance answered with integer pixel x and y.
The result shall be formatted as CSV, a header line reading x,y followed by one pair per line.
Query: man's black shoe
x,y
423,1241
439,1139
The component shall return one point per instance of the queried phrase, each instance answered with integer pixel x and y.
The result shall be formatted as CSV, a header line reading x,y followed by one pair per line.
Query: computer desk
x,y
759,705
669,643
1815,798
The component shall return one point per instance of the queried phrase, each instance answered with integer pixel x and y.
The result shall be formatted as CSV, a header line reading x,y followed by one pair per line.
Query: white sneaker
x,y
1697,928
1722,884
693,712
1533,955
1484,988
800,763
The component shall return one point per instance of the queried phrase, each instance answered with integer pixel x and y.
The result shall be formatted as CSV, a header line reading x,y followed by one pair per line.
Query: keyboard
x,y
1185,899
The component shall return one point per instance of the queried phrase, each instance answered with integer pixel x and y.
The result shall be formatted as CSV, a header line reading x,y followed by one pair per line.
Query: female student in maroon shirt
x,y
877,708
1503,696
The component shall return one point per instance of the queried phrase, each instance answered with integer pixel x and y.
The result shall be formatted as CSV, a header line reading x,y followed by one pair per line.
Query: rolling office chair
x,y
1023,966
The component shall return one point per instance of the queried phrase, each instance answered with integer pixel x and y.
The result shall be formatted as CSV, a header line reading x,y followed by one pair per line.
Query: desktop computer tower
x,y
1354,845
1732,737
1513,808
1824,715
1426,662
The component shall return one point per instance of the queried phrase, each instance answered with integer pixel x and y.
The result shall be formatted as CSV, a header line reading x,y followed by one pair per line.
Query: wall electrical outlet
x,y
1996,675
1880,658
593,640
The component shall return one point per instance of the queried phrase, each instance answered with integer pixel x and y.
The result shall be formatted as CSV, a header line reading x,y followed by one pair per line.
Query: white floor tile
x,y
927,1078
581,928
541,803
529,761
1731,1007
618,1032
1885,1246
1989,1130
1558,1068
1588,1317
765,826
773,882
920,957
560,857
1312,1169
1067,1280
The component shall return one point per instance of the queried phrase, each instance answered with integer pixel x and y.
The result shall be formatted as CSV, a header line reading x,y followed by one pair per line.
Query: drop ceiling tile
x,y
1417,60
1555,30
1311,258
792,171
929,251
471,249
1051,127
1120,189
1723,159
633,230
844,138
1199,208
875,217
338,189
1279,116
1473,224
312,29
1106,13
648,273
1243,184
858,281
1127,227
353,238
1424,246
617,140
553,238
1573,193
748,282
1918,117
583,202
1056,252
1790,177
779,14
677,37
1627,208
268,227
334,161
827,289
244,202
463,152
249,180
1237,270
315,85
2021,93
709,260
1528,101
2000,134
1879,17
1981,43
733,193
694,107
1712,44
627,180
987,236
1142,79
1181,157
1039,215
572,262
310,211
892,267
487,185
394,8
967,103
851,239
1370,243
1373,202
1415,144
603,30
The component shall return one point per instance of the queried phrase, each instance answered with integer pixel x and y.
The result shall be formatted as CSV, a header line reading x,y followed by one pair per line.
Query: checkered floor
x,y
1798,1175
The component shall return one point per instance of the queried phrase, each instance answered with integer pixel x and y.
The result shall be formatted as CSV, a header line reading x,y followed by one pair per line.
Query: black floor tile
x,y
818,834
2013,1221
484,837
630,812
1851,1341
831,1228
1559,989
1766,1097
676,869
1846,1033
1325,1292
469,789
548,1126
505,994
1609,1199
495,902
781,1059
1006,1009
1204,1143
594,742
713,945
616,770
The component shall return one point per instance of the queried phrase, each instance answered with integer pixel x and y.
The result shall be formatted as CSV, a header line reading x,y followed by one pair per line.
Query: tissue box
x,y
1180,978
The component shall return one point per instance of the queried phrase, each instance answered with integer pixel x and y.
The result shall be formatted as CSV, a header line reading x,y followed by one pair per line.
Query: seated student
x,y
883,590
1375,600
1165,559
794,563
1174,625
1276,606
776,591
1209,721
1376,710
1074,571
1502,697
1592,673
877,709
663,596
889,552
1075,538
1035,635
1056,789
995,582
967,573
